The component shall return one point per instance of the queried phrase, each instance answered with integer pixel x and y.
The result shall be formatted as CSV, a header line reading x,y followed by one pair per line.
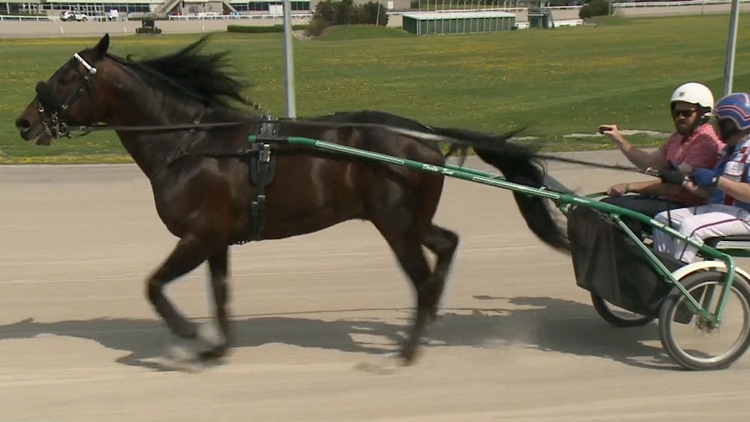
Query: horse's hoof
x,y
382,366
196,354
214,356
183,355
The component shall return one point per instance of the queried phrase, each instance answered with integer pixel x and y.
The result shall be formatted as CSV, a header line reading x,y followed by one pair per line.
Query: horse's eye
x,y
63,79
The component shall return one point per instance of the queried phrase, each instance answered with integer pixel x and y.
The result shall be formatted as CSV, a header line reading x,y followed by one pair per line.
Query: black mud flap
x,y
607,262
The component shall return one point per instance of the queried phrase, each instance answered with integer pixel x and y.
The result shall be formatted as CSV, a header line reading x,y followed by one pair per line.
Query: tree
x,y
345,12
594,8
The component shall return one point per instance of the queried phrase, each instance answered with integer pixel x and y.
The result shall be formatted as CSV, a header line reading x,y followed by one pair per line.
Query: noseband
x,y
49,106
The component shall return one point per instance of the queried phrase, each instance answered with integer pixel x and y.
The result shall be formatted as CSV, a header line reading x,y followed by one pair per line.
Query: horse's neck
x,y
152,150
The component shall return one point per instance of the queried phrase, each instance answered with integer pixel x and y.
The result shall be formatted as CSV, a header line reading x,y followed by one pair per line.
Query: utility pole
x,y
291,107
731,47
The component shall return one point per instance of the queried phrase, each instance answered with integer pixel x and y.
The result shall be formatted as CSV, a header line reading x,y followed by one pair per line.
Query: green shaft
x,y
563,198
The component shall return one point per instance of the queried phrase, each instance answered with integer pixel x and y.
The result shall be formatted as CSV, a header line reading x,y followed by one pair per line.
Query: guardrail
x,y
302,16
308,15
567,23
22,18
51,18
628,5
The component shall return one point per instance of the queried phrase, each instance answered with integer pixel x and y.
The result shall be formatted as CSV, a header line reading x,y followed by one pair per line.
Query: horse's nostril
x,y
23,124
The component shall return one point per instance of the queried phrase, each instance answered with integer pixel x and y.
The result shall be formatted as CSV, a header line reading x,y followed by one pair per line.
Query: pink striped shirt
x,y
699,149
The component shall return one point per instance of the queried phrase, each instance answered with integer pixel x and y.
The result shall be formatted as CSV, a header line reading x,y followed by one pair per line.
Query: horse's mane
x,y
191,75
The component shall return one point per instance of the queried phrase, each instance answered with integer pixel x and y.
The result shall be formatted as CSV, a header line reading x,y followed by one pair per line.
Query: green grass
x,y
558,81
361,32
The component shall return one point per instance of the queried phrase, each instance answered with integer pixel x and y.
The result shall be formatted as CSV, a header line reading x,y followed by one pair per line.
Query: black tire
x,y
671,308
603,309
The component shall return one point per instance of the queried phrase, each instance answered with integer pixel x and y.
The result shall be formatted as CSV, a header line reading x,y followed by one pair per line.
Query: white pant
x,y
702,222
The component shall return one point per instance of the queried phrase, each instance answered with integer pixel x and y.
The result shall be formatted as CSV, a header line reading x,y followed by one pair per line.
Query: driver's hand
x,y
674,177
617,190
612,131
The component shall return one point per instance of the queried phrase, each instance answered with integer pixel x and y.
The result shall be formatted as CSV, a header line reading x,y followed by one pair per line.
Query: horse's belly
x,y
302,206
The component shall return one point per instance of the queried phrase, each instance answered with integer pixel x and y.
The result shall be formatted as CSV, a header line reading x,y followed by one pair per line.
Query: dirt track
x,y
515,343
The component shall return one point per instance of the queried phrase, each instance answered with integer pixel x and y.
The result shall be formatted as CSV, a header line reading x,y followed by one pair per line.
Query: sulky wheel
x,y
620,320
676,320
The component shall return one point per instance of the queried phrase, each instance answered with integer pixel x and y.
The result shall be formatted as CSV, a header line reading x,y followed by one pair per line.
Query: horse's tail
x,y
518,164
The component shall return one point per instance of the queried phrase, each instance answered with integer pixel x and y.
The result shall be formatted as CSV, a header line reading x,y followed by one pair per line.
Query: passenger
x,y
694,144
727,187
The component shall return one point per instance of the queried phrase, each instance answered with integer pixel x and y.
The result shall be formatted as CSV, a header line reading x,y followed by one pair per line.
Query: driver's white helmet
x,y
695,93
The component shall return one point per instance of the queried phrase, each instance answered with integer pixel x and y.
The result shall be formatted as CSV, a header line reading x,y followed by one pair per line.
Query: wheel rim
x,y
698,326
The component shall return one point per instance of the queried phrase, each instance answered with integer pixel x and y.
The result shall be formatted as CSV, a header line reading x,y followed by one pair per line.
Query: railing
x,y
308,15
200,16
27,18
628,5
50,18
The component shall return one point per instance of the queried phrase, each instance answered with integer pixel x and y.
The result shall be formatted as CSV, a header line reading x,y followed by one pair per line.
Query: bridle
x,y
57,113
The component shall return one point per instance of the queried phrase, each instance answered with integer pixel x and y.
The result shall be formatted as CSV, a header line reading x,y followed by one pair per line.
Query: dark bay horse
x,y
175,115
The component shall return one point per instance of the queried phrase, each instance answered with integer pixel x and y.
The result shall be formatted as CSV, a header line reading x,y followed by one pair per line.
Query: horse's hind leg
x,y
443,243
408,251
403,232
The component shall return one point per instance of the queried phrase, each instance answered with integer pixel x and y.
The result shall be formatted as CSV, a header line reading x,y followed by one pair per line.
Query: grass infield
x,y
558,82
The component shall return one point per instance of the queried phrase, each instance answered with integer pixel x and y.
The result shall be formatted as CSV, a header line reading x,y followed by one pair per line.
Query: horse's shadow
x,y
546,324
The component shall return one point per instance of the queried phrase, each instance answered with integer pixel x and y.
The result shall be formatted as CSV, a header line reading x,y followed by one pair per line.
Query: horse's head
x,y
67,98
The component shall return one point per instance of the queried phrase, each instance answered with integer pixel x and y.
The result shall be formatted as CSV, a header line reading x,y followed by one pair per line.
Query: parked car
x,y
70,15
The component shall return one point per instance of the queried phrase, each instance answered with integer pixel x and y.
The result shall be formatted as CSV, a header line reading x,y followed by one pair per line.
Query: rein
x,y
87,129
56,113
155,128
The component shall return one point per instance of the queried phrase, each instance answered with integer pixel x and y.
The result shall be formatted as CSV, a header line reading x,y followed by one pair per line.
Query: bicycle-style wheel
x,y
676,320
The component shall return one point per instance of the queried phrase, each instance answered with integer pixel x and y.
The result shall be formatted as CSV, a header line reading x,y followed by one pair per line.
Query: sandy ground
x,y
518,341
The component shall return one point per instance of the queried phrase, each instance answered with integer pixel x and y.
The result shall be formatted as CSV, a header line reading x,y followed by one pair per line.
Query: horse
x,y
185,122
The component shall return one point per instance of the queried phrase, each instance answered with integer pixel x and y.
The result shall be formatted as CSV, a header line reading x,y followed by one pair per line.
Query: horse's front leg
x,y
189,253
218,265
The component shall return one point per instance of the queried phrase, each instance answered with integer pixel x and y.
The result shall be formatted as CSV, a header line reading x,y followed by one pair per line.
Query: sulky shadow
x,y
539,323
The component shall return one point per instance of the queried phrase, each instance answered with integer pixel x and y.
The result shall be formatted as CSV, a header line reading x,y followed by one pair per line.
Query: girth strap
x,y
262,172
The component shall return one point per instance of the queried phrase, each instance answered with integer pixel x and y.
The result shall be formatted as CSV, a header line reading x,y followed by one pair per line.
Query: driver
x,y
727,187
693,144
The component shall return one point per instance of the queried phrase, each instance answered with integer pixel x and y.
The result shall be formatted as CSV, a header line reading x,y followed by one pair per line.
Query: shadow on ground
x,y
543,323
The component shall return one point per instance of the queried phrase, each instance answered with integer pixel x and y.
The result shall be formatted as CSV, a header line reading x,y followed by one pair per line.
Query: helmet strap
x,y
705,115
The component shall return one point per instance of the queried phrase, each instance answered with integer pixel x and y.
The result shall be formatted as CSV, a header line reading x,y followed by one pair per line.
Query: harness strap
x,y
262,171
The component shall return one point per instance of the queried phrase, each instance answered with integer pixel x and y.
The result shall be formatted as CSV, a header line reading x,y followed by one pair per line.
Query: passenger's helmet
x,y
734,107
694,93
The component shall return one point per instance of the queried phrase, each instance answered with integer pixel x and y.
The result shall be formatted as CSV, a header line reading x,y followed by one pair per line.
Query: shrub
x,y
146,31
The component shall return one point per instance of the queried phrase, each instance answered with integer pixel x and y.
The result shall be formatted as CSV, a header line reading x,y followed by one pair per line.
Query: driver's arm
x,y
641,158
653,187
739,190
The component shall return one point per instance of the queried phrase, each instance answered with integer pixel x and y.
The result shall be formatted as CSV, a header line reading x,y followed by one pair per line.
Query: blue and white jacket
x,y
734,164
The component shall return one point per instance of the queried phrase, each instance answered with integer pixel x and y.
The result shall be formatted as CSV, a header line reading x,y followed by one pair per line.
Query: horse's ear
x,y
101,48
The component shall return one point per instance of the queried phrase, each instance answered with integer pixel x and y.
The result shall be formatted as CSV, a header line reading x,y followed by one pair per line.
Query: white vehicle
x,y
70,15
